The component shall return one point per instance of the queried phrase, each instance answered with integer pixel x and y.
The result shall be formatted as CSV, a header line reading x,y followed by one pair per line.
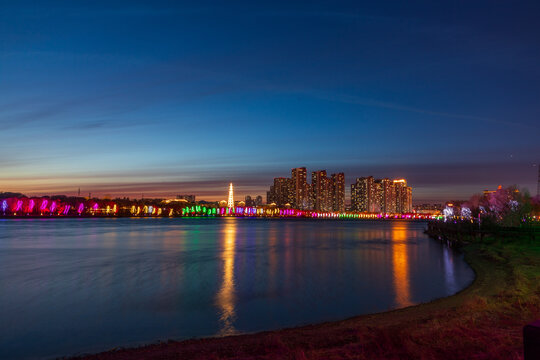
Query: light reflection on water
x,y
84,285
400,263
225,295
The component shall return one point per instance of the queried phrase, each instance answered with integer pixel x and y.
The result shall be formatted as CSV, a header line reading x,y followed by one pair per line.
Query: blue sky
x,y
161,98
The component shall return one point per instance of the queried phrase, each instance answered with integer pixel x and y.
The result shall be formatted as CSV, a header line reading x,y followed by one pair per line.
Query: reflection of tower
x,y
226,297
230,202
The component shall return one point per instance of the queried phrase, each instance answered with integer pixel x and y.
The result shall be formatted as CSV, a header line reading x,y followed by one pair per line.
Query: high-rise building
x,y
378,196
388,203
282,191
299,188
363,194
270,195
320,191
381,195
355,196
403,195
408,203
248,201
258,200
400,193
337,191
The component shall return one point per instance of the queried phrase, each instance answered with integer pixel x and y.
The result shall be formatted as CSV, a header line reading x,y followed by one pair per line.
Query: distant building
x,y
270,195
489,192
299,188
388,203
337,191
280,192
363,194
408,203
381,195
320,191
188,198
403,196
258,200
427,206
250,202
378,198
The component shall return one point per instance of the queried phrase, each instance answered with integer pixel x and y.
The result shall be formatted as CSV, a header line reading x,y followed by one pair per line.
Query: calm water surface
x,y
71,286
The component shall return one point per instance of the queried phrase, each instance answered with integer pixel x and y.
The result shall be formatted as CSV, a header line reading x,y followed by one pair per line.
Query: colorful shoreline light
x,y
51,207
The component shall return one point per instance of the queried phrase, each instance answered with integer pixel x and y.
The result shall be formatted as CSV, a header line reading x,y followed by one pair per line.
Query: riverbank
x,y
484,321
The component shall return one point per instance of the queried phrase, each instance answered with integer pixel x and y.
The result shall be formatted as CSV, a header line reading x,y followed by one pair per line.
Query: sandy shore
x,y
484,321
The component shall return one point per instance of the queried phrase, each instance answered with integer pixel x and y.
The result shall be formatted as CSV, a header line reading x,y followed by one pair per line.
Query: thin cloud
x,y
387,105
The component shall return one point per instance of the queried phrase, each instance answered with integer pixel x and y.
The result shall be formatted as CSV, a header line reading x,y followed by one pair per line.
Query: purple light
x,y
4,205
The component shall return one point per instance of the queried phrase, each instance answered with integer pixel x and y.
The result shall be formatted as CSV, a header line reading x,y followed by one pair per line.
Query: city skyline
x,y
244,190
128,98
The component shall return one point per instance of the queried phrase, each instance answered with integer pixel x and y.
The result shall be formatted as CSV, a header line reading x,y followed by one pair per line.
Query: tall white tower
x,y
230,201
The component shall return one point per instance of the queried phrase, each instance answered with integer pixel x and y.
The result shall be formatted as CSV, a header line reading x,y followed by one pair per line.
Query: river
x,y
74,286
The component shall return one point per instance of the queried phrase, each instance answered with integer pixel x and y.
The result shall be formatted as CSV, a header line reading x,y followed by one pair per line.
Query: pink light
x,y
19,205
66,209
81,208
95,206
53,206
44,203
31,205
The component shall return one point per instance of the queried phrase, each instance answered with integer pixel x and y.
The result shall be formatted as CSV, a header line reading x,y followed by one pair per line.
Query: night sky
x,y
166,98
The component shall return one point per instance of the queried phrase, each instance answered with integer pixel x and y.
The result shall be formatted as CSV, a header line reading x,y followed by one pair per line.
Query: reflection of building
x,y
188,198
400,265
